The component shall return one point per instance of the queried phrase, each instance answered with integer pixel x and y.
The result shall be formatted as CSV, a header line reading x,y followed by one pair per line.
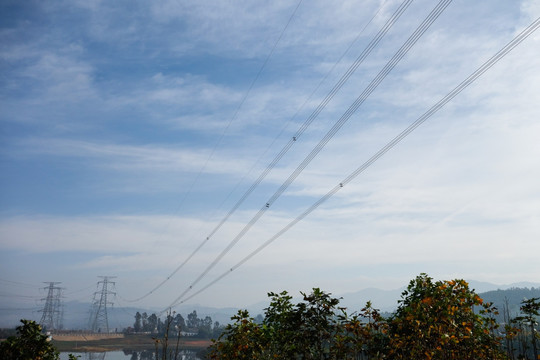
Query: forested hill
x,y
512,296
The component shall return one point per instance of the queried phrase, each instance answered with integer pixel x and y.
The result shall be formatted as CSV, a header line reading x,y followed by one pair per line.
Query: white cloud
x,y
127,158
530,10
133,98
188,91
123,237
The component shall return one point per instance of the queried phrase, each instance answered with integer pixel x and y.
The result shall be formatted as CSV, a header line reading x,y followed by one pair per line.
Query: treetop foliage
x,y
434,320
30,343
175,322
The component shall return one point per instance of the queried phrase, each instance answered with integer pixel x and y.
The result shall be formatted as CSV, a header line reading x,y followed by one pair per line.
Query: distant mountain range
x,y
386,300
76,314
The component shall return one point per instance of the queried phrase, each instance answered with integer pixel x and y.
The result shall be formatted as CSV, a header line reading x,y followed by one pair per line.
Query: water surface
x,y
127,355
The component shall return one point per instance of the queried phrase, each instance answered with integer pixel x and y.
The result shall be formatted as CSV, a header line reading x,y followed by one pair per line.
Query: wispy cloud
x,y
128,158
110,111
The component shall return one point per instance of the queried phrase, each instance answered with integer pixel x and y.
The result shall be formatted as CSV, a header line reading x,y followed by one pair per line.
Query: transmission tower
x,y
99,320
51,319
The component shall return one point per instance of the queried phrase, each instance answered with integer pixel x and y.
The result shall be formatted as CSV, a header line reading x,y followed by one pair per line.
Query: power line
x,y
352,68
323,79
235,115
17,283
77,291
219,142
18,296
403,50
447,98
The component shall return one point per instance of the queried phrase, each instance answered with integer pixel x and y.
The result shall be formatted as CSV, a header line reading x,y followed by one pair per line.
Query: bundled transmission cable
x,y
217,145
447,98
403,50
17,283
350,71
242,101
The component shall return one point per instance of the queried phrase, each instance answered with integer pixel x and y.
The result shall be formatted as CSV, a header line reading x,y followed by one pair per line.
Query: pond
x,y
128,355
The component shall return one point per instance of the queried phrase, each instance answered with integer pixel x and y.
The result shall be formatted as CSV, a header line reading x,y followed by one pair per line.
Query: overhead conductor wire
x,y
447,98
422,28
235,115
214,150
374,42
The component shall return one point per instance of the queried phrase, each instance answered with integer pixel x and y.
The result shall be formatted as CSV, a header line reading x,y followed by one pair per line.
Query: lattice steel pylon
x,y
99,321
51,319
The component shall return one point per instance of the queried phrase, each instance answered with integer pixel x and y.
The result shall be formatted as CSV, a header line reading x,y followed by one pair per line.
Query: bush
x,y
434,320
30,343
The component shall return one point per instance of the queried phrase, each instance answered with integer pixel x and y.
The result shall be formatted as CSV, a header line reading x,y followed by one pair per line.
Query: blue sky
x,y
129,129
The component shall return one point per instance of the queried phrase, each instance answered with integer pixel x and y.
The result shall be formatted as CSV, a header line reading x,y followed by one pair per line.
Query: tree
x,y
192,321
437,320
217,330
166,352
137,326
241,340
306,330
318,324
30,343
259,319
162,326
179,322
363,335
510,331
152,323
281,322
205,328
531,310
145,322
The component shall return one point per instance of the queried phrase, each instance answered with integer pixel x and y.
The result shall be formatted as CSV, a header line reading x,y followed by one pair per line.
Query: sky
x,y
130,129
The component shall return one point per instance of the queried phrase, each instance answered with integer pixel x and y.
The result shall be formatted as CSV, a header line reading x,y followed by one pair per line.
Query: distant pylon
x,y
51,319
99,320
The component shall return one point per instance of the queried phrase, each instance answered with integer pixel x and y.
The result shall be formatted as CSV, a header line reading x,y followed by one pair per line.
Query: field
x,y
97,342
